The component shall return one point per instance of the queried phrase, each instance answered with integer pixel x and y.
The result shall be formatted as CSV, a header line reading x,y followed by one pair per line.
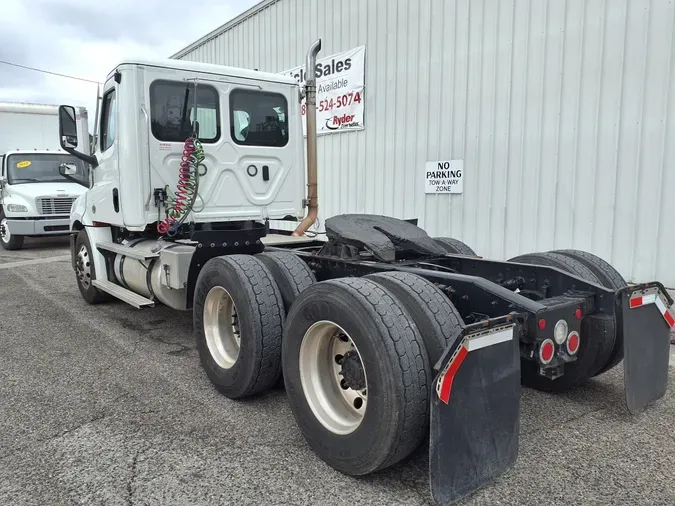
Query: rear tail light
x,y
573,341
542,324
578,313
560,331
546,351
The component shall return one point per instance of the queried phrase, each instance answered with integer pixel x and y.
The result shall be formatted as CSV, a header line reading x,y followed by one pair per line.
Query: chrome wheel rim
x,y
221,327
333,377
83,267
4,231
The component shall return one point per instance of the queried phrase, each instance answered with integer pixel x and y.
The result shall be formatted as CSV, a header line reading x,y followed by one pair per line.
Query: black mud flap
x,y
647,318
475,410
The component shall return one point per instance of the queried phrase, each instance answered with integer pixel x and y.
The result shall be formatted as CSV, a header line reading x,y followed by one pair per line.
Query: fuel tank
x,y
155,278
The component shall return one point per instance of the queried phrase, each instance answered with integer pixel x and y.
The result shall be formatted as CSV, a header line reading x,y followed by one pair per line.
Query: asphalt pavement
x,y
109,405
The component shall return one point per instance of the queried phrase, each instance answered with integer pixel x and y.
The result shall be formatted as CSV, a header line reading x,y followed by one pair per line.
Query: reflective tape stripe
x,y
635,302
470,343
667,314
657,299
669,318
489,340
648,299
449,376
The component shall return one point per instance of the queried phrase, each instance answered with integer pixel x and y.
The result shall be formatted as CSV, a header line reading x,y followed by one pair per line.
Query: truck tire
x,y
609,277
291,274
434,315
238,317
593,353
455,246
85,271
562,262
358,419
7,240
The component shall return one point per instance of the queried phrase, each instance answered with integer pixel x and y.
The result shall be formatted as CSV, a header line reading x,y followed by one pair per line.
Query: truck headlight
x,y
17,208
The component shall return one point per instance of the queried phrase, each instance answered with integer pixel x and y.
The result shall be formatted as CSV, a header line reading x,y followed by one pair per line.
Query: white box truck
x,y
35,199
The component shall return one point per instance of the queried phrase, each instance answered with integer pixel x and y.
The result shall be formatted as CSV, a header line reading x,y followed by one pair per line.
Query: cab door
x,y
265,165
103,198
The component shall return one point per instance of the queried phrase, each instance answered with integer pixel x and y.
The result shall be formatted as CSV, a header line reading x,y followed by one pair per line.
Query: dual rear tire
x,y
601,346
356,353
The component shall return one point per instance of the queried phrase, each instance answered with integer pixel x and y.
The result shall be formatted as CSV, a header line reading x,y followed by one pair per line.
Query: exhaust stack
x,y
312,201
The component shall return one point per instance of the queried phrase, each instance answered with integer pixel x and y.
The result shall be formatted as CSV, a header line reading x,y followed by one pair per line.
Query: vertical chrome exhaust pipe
x,y
312,201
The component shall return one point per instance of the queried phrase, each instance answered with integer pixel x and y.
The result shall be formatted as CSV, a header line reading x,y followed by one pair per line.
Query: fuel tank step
x,y
119,292
126,251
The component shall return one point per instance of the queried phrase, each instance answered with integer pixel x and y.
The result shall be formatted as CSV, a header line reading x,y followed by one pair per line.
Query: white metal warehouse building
x,y
561,111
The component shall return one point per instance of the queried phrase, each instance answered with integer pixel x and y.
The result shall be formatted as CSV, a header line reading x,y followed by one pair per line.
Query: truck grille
x,y
55,205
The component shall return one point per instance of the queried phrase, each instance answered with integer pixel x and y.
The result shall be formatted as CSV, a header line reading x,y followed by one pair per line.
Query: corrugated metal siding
x,y
563,111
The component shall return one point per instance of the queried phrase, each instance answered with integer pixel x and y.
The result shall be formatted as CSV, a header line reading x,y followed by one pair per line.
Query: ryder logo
x,y
338,122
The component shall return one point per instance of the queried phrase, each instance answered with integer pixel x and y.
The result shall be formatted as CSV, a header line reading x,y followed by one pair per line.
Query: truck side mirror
x,y
67,127
3,182
67,169
68,135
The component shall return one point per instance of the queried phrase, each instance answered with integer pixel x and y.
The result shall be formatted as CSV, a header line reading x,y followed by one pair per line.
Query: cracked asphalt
x,y
109,405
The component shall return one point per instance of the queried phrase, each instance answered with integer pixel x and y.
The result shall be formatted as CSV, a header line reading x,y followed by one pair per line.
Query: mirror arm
x,y
74,179
90,159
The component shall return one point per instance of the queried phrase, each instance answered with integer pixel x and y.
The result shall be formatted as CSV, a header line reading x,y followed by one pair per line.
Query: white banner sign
x,y
444,176
339,91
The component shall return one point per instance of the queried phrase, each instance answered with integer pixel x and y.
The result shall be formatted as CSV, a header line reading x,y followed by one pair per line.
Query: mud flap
x,y
647,318
475,412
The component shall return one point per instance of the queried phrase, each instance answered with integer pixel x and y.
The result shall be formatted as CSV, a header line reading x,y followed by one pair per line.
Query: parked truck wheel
x,y
85,270
454,246
291,274
357,377
610,278
8,240
597,340
434,315
238,315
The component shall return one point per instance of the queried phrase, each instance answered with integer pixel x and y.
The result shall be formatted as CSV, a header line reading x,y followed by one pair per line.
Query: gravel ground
x,y
109,405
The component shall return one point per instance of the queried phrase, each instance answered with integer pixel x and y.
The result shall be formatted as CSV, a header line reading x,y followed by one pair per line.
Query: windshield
x,y
41,168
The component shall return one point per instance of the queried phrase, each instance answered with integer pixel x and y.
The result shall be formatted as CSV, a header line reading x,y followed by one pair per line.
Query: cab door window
x,y
173,114
258,118
108,119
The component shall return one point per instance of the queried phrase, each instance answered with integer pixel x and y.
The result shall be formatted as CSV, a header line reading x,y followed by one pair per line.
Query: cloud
x,y
85,38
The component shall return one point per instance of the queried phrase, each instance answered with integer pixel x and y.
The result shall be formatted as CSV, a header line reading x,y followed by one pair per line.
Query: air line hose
x,y
182,203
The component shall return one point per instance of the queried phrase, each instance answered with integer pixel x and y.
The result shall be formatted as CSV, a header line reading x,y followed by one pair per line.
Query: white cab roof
x,y
208,68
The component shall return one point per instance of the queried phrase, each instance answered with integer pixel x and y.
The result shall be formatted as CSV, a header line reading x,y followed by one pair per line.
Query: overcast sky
x,y
86,38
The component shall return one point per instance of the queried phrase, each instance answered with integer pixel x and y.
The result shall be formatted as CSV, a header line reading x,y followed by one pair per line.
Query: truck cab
x,y
247,123
35,198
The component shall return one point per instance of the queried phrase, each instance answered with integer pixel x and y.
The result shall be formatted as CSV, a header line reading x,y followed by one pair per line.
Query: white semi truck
x,y
384,336
35,200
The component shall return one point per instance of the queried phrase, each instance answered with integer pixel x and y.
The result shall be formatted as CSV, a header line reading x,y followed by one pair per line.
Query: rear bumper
x,y
54,226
